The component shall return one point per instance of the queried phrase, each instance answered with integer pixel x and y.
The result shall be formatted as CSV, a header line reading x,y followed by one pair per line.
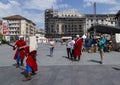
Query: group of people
x,y
22,50
74,48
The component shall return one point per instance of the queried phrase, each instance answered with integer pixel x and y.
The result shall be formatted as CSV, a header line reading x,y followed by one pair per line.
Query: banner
x,y
33,43
117,38
5,27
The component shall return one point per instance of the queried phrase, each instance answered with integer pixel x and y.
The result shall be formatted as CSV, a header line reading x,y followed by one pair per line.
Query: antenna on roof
x,y
52,6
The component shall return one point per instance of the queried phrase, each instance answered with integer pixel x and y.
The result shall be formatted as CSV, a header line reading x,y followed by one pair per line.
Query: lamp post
x,y
94,34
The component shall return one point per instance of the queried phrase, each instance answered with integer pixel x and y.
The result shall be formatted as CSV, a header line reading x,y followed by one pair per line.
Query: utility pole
x,y
94,34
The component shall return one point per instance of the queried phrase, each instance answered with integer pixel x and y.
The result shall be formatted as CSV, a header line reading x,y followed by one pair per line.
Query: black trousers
x,y
69,52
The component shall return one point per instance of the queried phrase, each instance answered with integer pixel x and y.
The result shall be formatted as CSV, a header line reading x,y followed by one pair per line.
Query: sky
x,y
34,9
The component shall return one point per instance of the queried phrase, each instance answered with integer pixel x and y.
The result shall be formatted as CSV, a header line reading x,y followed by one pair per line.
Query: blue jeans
x,y
18,58
51,51
28,68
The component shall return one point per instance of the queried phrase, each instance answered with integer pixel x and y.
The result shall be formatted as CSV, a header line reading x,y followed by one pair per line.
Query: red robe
x,y
19,44
78,47
31,60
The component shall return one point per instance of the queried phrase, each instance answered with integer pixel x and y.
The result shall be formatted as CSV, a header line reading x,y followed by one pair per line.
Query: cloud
x,y
61,6
34,12
39,4
11,7
102,1
89,3
31,9
114,9
44,4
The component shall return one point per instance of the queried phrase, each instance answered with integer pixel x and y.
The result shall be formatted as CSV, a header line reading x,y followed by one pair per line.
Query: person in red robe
x,y
20,54
31,65
77,48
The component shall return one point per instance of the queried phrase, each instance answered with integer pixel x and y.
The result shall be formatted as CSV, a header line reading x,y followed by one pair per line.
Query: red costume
x,y
31,59
78,47
18,44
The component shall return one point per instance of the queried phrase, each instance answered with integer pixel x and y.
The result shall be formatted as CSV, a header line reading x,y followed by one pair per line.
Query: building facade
x,y
70,23
118,19
19,25
66,23
40,36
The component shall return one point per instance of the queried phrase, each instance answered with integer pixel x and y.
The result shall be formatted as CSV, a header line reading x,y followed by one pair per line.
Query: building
x,y
70,23
101,19
66,23
117,17
40,36
19,25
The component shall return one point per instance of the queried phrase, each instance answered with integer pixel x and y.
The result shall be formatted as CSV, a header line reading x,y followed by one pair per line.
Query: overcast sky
x,y
34,9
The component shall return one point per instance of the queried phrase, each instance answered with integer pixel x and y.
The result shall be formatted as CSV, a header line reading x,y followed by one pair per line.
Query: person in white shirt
x,y
52,44
72,47
68,48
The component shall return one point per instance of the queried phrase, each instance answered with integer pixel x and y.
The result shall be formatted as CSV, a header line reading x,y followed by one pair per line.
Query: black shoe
x,y
101,62
22,64
17,66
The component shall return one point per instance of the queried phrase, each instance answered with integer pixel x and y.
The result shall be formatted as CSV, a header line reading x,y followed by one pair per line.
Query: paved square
x,y
59,70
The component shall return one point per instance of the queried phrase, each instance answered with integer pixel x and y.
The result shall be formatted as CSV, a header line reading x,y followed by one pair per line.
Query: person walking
x,y
52,45
20,54
101,47
77,48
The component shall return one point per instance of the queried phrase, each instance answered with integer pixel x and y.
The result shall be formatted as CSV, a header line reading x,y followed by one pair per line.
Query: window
x,y
91,20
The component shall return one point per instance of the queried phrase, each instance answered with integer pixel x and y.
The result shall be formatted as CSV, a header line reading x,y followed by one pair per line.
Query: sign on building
x,y
5,27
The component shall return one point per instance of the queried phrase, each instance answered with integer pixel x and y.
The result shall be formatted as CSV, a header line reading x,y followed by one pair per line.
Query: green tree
x,y
1,36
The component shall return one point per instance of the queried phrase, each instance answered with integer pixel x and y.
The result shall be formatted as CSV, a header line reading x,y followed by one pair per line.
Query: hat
x,y
77,36
21,36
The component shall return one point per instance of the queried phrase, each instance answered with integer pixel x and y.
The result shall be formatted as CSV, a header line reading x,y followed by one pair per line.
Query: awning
x,y
105,29
66,37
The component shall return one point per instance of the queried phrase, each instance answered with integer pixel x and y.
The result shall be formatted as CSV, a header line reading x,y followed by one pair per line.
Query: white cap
x,y
77,36
84,37
21,36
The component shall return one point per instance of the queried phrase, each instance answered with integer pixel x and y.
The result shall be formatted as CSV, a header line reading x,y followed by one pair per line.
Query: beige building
x,y
19,25
70,23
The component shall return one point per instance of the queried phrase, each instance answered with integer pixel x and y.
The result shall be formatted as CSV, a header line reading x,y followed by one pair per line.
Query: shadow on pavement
x,y
115,68
96,61
24,73
14,64
67,58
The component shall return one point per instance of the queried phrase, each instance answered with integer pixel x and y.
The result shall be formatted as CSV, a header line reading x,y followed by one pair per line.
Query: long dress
x,y
78,47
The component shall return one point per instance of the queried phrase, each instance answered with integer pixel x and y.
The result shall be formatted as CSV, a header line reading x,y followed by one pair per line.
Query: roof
x,y
69,13
17,17
14,17
105,29
66,37
118,14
